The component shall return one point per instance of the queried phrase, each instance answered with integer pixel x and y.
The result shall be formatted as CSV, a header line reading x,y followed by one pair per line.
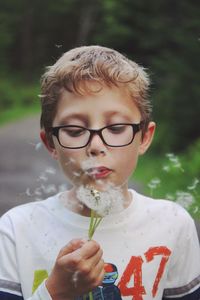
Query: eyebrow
x,y
73,116
110,114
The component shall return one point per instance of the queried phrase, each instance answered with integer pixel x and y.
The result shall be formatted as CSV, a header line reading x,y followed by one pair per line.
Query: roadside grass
x,y
17,100
17,113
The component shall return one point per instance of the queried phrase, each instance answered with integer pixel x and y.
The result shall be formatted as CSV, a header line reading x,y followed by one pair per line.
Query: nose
x,y
96,146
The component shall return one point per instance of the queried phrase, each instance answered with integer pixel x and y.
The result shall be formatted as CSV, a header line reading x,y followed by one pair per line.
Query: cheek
x,y
68,162
127,162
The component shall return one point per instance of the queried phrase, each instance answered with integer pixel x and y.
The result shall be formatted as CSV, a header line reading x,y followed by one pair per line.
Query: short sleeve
x,y
41,293
184,271
9,279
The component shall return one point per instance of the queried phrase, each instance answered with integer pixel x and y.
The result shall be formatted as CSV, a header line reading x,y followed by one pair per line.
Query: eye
x,y
73,131
117,128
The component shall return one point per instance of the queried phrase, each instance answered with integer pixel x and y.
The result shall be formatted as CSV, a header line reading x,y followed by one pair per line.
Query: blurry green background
x,y
163,36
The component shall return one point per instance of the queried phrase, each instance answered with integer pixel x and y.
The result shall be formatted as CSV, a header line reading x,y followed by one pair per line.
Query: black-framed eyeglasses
x,y
114,135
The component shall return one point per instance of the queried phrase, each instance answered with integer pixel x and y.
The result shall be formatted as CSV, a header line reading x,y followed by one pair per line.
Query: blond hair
x,y
78,67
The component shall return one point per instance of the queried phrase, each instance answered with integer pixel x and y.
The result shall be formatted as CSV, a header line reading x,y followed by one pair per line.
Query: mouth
x,y
99,172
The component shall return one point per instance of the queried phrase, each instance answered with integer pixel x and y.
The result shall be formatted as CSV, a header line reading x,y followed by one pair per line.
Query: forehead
x,y
99,103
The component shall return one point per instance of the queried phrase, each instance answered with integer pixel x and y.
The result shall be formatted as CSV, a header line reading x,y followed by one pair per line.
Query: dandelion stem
x,y
94,223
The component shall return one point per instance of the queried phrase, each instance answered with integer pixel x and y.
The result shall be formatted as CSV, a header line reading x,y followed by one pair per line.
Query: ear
x,y
147,138
51,149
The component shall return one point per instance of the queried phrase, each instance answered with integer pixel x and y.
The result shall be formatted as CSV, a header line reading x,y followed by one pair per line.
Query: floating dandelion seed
x,y
153,184
193,186
70,161
43,177
62,187
50,170
38,146
51,188
42,95
185,199
169,197
38,191
170,155
175,162
89,163
166,168
76,174
28,192
196,209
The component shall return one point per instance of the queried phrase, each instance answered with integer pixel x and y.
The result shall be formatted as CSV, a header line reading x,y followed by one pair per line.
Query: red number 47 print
x,y
134,268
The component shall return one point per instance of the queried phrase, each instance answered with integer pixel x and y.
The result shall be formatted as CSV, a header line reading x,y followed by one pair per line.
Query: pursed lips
x,y
98,172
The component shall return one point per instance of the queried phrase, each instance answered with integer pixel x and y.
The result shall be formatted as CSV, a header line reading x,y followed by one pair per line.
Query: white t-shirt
x,y
151,250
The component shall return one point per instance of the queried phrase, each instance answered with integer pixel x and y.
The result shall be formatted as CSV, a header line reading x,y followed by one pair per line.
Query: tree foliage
x,y
161,35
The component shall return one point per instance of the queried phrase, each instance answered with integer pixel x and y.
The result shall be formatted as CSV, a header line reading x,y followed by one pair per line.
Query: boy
x,y
96,122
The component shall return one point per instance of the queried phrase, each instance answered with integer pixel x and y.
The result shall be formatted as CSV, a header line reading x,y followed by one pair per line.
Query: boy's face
x,y
97,164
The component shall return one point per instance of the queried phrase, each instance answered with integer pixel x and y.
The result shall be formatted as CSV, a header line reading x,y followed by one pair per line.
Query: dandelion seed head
x,y
108,201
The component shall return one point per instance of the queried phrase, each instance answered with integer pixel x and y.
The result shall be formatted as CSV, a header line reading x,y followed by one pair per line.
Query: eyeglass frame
x,y
136,128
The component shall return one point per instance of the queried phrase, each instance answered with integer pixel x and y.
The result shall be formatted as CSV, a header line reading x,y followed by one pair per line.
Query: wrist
x,y
54,293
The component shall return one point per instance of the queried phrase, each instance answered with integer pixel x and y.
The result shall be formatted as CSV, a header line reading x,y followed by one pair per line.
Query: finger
x,y
94,260
82,258
89,249
99,278
72,246
95,277
98,270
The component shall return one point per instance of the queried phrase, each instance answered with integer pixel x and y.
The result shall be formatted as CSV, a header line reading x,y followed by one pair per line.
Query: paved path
x,y
27,171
